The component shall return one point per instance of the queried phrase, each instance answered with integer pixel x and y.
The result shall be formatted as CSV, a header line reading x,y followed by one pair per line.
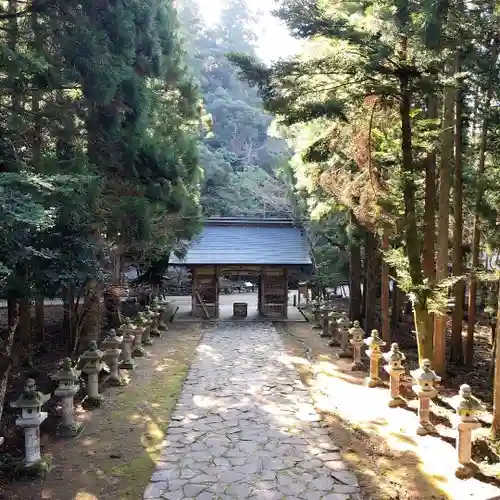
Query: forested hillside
x,y
240,160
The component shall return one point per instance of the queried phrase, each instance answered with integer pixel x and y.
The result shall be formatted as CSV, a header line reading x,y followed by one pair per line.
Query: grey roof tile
x,y
233,241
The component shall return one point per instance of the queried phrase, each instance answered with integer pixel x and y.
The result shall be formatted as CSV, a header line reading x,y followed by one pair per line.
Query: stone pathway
x,y
245,427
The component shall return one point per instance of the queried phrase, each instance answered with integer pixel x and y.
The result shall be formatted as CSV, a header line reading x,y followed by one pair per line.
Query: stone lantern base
x,y
128,365
39,469
92,402
69,431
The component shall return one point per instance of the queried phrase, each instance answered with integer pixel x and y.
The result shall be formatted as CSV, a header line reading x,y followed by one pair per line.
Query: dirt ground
x,y
379,443
114,457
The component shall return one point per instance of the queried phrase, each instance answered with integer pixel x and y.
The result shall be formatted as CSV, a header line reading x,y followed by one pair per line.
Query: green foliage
x,y
239,157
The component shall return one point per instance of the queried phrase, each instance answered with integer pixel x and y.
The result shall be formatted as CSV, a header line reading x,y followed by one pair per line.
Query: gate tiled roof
x,y
248,242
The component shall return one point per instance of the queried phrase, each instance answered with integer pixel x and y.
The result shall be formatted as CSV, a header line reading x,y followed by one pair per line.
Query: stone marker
x,y
67,377
343,336
395,369
111,345
425,378
374,343
357,340
30,402
162,307
91,365
465,422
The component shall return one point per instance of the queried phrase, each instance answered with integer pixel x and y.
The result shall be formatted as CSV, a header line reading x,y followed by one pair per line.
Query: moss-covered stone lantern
x,y
30,403
91,362
357,340
112,350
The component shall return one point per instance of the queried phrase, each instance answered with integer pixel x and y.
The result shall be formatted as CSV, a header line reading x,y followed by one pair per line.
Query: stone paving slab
x,y
245,427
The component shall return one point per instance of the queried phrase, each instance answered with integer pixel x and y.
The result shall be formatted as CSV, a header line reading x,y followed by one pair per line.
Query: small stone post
x,y
30,402
127,362
357,340
344,330
424,388
395,369
316,315
334,330
325,330
67,377
112,344
374,343
465,422
144,319
91,361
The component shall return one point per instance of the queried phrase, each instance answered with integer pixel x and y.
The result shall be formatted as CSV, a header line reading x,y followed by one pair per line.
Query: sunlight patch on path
x,y
245,427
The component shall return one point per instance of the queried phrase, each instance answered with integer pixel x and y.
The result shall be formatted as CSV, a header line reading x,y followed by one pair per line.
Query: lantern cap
x,y
92,353
30,397
67,372
394,354
374,339
426,373
467,402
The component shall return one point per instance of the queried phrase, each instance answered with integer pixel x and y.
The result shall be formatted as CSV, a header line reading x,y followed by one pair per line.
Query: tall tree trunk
x,y
476,229
397,296
371,273
495,424
384,297
456,346
429,224
40,318
442,257
422,319
354,273
6,345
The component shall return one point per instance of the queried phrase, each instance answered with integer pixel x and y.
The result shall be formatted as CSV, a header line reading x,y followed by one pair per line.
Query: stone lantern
x,y
112,344
144,321
374,352
67,377
91,365
395,369
155,315
316,311
467,409
343,328
30,402
135,331
334,316
357,340
127,362
425,379
161,306
325,317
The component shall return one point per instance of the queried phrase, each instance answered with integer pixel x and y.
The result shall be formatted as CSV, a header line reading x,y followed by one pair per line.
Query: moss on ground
x,y
116,454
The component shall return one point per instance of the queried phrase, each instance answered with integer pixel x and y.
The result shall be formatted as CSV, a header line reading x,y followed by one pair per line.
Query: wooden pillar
x,y
193,292
285,284
217,291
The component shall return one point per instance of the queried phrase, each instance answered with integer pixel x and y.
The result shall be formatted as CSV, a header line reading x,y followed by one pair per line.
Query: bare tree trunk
x,y
456,346
354,276
442,257
6,345
495,424
384,298
370,295
476,229
40,318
